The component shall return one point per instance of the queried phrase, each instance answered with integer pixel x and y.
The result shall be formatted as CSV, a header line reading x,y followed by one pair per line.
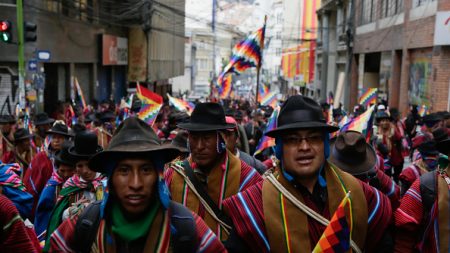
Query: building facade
x,y
402,47
88,40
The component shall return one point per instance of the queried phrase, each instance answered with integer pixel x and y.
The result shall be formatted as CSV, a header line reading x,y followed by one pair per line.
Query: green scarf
x,y
132,230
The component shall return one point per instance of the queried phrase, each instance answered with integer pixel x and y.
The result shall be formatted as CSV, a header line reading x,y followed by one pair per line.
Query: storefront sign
x,y
115,50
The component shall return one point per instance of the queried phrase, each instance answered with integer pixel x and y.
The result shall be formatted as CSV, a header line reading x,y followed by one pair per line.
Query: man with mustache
x,y
211,173
305,190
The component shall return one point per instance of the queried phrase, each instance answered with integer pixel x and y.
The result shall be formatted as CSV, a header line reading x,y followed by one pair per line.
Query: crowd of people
x,y
103,180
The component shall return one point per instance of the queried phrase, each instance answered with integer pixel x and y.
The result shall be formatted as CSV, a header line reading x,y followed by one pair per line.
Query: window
x,y
417,3
278,37
368,11
391,7
278,52
279,18
202,64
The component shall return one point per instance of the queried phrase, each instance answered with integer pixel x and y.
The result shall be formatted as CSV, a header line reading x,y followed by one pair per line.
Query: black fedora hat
x,y
133,137
7,119
59,128
432,118
300,112
180,141
42,119
382,115
442,139
107,116
85,146
206,117
63,156
21,134
353,154
428,148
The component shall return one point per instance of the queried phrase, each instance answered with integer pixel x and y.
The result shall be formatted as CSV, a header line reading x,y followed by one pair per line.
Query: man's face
x,y
65,171
42,129
385,123
6,128
134,184
203,147
230,138
303,153
57,141
84,171
23,145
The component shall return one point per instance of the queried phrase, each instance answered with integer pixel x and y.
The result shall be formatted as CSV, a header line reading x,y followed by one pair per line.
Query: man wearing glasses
x,y
305,191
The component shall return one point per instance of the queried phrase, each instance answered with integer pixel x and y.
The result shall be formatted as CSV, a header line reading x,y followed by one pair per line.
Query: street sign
x,y
32,65
43,55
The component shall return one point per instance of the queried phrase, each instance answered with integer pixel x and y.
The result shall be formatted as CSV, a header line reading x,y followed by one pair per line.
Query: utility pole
x,y
213,27
21,56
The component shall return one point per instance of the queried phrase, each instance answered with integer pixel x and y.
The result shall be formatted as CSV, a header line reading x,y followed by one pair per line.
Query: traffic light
x,y
30,31
5,31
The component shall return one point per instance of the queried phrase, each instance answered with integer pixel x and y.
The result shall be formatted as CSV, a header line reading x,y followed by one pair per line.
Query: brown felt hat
x,y
133,137
353,154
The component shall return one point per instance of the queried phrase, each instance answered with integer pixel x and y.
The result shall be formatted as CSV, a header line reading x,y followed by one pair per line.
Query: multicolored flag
x,y
337,235
246,54
28,124
151,103
363,123
330,98
225,88
341,123
80,95
423,110
180,104
368,97
266,141
269,99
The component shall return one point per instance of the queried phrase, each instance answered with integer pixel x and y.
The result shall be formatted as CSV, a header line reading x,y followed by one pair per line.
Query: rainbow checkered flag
x,y
368,97
337,235
266,141
151,103
246,54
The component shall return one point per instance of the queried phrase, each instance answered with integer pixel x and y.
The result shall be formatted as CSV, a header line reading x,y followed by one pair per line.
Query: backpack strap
x,y
86,227
428,191
184,238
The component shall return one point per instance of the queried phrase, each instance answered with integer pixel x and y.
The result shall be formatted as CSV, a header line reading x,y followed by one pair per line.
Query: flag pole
x,y
258,68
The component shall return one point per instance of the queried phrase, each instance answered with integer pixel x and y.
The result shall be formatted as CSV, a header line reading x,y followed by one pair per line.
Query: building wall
x,y
418,72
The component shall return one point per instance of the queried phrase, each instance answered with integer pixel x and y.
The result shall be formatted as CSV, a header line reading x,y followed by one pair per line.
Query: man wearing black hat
x,y
6,134
421,221
391,138
23,151
43,123
41,166
428,161
138,215
211,173
84,187
305,191
104,127
65,168
351,153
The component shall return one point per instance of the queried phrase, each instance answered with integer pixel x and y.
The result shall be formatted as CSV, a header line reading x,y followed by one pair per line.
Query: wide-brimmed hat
x,y
22,134
85,146
107,116
382,115
300,112
180,141
63,156
432,118
353,154
206,117
7,119
42,119
428,148
442,140
133,137
60,128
